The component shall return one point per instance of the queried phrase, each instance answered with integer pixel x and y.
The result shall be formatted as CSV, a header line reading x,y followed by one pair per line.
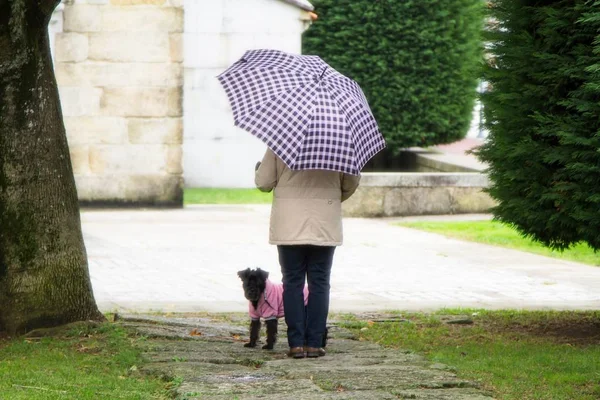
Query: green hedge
x,y
416,60
543,112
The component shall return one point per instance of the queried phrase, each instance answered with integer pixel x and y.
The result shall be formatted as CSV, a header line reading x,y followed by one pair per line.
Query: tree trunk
x,y
44,278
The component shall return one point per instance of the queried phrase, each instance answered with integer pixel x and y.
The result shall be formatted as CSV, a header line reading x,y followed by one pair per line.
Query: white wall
x,y
217,33
476,130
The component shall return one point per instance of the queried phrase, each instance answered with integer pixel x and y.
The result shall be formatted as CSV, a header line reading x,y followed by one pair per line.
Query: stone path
x,y
211,363
186,260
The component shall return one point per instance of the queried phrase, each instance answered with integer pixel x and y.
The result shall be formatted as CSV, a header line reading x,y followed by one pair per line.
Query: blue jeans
x,y
306,325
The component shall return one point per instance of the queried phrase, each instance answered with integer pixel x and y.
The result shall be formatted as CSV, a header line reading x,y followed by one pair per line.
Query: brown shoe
x,y
296,352
314,352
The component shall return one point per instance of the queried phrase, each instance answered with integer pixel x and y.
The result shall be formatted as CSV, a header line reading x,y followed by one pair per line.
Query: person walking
x,y
306,226
320,132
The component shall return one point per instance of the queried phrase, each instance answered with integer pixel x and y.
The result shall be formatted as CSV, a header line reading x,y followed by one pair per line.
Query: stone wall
x,y
399,194
118,64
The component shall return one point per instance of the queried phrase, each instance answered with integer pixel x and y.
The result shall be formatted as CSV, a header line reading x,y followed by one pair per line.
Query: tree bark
x,y
44,278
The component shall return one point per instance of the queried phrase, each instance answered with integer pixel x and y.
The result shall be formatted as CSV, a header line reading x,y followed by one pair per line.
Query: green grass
x,y
498,234
225,196
88,363
515,355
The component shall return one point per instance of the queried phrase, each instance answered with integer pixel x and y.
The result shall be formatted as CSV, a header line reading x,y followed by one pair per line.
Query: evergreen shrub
x,y
418,62
543,114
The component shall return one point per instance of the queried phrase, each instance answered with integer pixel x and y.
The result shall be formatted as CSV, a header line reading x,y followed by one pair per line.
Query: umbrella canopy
x,y
310,115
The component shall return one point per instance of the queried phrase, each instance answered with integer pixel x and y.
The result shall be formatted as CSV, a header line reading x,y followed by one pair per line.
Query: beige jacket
x,y
307,205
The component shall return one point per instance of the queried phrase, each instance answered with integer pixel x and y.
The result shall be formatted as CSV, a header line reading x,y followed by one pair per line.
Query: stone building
x,y
142,108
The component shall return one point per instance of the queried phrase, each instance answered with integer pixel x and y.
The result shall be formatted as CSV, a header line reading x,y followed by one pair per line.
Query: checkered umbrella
x,y
309,114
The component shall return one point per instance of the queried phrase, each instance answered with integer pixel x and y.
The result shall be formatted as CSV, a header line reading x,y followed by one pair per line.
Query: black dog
x,y
266,301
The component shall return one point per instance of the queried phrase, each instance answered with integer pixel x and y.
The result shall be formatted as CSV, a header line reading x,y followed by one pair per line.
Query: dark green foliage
x,y
543,114
416,60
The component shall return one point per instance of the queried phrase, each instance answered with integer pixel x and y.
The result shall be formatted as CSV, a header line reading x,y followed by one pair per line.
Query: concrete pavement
x,y
186,260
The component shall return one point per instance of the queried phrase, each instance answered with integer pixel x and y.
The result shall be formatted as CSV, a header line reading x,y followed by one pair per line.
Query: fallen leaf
x,y
195,332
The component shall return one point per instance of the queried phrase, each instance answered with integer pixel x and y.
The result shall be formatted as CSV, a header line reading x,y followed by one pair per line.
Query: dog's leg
x,y
271,334
325,334
254,333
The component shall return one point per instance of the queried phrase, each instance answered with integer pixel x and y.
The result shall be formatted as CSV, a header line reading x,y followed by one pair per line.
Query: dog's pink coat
x,y
270,304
